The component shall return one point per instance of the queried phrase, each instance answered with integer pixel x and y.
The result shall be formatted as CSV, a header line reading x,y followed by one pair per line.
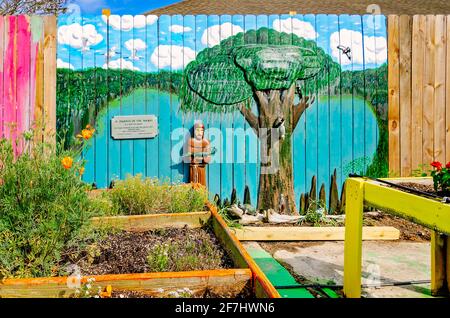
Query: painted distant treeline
x,y
82,94
373,85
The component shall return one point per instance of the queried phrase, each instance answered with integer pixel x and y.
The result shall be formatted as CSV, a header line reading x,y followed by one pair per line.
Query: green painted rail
x,y
280,276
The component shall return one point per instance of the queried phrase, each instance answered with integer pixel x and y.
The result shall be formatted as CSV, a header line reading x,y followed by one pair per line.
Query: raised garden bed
x,y
244,280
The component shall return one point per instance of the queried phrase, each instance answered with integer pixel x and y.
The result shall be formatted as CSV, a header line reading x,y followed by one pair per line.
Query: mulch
x,y
245,293
409,231
126,252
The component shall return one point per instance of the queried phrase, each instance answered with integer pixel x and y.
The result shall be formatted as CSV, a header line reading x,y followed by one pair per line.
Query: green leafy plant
x,y
421,171
223,212
315,215
441,177
184,255
87,92
137,195
44,207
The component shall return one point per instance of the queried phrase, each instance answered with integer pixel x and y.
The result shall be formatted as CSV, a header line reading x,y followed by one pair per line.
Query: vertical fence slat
x,y
208,38
440,90
23,76
88,58
370,25
311,121
152,100
239,129
252,169
323,103
417,73
10,78
138,100
447,104
39,106
163,54
226,126
298,150
50,78
428,102
126,105
177,40
2,73
405,95
335,110
394,97
346,94
100,144
114,52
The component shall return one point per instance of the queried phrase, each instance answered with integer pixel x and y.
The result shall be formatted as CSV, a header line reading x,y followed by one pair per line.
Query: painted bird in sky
x,y
346,50
134,55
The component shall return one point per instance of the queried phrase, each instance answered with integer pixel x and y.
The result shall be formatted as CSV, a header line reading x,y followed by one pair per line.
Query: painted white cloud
x,y
135,44
61,64
372,51
172,55
217,33
121,64
79,37
128,22
176,28
300,28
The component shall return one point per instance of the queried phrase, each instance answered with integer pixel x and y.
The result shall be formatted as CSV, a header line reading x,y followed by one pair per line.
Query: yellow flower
x,y
67,162
107,293
81,171
87,133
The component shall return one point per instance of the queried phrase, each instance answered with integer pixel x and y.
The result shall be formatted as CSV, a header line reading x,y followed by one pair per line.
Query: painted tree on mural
x,y
268,67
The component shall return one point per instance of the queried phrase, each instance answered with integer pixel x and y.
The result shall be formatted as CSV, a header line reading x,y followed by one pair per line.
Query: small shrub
x,y
137,195
185,255
44,206
313,215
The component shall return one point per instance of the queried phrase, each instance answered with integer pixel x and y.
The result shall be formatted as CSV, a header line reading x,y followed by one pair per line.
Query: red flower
x,y
437,165
448,165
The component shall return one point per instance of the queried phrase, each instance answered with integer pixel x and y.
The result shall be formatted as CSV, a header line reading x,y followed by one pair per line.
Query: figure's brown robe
x,y
197,171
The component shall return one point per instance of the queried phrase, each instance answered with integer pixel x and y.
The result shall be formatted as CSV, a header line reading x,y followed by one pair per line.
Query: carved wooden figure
x,y
199,152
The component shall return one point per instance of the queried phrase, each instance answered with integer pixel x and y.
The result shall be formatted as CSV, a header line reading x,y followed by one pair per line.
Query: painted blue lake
x,y
335,133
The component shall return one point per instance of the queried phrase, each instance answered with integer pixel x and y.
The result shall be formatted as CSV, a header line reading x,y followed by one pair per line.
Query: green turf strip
x,y
277,274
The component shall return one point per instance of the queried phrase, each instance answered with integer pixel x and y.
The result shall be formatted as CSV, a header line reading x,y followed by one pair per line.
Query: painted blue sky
x,y
121,6
170,43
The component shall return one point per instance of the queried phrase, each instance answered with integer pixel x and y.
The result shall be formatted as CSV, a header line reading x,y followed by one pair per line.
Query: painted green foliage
x,y
225,76
81,94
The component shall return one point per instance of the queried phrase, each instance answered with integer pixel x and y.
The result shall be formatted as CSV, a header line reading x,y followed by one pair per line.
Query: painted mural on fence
x,y
325,75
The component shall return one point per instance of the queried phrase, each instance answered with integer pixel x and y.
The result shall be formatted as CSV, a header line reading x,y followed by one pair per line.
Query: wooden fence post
x,y
440,264
353,237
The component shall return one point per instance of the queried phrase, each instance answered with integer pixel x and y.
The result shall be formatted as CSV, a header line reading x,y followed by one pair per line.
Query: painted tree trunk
x,y
276,186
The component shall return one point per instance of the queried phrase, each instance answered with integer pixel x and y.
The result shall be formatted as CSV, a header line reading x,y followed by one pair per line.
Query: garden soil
x,y
126,252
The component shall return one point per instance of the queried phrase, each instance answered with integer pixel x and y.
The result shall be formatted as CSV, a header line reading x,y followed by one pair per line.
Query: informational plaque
x,y
134,127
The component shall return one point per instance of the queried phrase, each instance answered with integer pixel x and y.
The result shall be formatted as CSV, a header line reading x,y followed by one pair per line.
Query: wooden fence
x,y
27,76
133,65
419,91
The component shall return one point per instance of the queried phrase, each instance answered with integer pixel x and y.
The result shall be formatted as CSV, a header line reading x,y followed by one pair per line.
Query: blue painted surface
x,y
339,131
224,181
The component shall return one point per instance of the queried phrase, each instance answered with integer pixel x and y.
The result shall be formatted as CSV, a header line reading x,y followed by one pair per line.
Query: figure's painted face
x,y
198,133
